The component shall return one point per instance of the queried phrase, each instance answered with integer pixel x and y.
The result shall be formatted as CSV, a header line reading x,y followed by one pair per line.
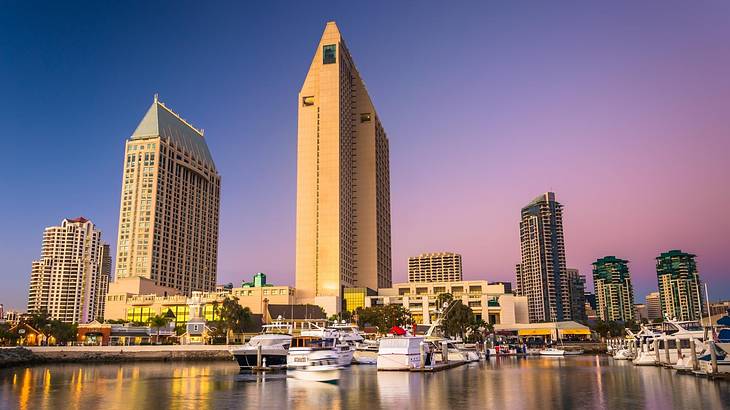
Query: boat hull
x,y
248,360
398,361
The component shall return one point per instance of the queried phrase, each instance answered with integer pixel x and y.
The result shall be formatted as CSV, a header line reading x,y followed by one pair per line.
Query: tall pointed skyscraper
x,y
168,216
343,181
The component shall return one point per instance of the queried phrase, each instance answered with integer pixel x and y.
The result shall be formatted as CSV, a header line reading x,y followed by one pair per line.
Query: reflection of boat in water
x,y
273,341
321,366
574,351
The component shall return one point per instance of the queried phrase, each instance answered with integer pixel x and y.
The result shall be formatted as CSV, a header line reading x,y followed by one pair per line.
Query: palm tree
x,y
157,322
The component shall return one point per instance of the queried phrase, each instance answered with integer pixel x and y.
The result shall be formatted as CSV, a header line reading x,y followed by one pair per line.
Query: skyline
x,y
656,96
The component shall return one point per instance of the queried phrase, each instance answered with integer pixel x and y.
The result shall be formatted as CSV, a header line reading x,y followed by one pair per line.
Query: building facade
x,y
70,280
343,181
680,294
613,289
577,286
487,301
542,273
653,306
124,303
168,216
435,267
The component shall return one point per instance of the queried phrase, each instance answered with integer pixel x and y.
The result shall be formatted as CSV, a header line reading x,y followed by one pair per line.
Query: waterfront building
x,y
680,294
70,279
354,298
488,301
124,303
541,333
435,267
168,215
641,312
653,306
577,286
613,289
343,181
542,273
12,317
720,308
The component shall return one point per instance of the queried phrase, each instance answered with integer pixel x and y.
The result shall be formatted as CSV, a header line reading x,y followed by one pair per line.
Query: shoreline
x,y
22,356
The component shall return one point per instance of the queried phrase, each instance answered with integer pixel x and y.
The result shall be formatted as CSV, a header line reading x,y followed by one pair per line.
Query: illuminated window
x,y
366,117
329,54
309,100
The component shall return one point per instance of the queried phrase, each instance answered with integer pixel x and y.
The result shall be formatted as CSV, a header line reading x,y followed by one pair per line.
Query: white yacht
x,y
273,341
399,353
316,339
552,351
674,334
320,366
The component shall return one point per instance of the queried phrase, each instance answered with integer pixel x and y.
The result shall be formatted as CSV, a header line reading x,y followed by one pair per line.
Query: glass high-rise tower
x,y
343,181
542,274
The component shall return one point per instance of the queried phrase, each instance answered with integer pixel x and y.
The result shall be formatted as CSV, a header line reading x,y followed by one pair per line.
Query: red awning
x,y
397,331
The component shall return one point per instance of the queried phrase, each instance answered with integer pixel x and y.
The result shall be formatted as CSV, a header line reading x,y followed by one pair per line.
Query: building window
x,y
308,100
329,54
366,117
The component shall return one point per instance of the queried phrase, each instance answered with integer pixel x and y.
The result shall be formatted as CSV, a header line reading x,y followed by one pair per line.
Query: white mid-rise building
x,y
70,279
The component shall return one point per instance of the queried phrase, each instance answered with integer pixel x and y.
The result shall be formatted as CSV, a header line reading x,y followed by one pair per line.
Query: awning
x,y
575,332
534,332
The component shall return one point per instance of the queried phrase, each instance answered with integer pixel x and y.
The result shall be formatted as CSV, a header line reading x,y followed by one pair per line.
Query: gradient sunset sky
x,y
621,108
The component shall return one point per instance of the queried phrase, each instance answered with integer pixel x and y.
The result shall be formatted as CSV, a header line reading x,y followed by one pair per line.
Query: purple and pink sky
x,y
622,109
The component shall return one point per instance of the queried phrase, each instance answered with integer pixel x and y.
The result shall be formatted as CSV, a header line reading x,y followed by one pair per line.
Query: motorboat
x,y
319,366
723,361
399,353
273,343
623,354
315,339
433,335
574,351
675,336
552,351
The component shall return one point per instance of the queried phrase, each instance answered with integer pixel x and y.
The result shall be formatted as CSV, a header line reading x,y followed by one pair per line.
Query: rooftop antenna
x,y
157,97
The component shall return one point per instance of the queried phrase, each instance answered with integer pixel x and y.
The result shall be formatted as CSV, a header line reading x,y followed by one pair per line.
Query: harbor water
x,y
584,382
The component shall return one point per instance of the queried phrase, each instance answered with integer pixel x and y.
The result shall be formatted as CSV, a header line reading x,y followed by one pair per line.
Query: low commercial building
x,y
488,302
123,303
540,333
105,334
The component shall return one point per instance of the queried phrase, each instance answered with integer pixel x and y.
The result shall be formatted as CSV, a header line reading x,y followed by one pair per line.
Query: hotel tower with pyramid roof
x,y
168,216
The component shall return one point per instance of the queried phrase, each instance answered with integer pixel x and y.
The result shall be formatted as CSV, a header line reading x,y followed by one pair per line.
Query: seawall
x,y
18,356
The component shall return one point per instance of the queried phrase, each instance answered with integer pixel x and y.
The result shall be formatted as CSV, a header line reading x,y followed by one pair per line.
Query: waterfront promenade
x,y
585,382
86,354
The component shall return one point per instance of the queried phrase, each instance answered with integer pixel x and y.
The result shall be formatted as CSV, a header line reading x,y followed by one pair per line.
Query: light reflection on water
x,y
575,382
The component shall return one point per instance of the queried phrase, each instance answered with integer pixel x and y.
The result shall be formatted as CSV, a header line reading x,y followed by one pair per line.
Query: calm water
x,y
546,383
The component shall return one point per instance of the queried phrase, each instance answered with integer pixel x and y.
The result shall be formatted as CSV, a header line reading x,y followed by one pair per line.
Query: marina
x,y
586,381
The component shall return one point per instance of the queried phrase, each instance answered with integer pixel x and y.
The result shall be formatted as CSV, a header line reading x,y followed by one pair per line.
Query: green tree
x,y
384,317
158,322
63,332
457,319
7,338
234,318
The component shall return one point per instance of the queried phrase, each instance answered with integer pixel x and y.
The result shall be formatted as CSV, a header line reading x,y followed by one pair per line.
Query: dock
x,y
438,367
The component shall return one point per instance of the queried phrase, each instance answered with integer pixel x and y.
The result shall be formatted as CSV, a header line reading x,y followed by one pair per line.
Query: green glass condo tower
x,y
679,285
